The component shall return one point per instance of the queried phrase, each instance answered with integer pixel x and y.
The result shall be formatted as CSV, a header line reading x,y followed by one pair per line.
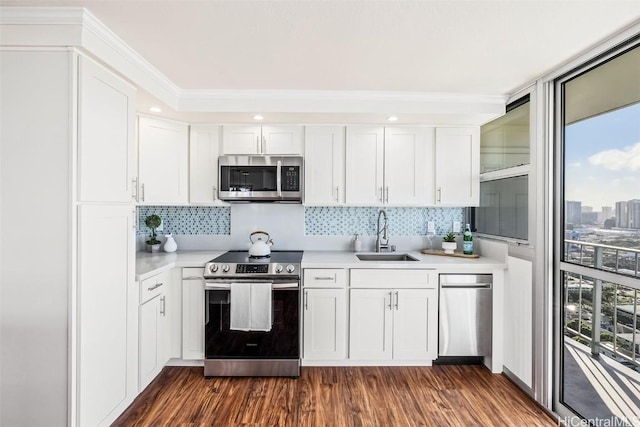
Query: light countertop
x,y
148,264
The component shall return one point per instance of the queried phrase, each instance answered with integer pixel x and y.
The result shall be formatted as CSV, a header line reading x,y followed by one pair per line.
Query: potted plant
x,y
449,243
153,222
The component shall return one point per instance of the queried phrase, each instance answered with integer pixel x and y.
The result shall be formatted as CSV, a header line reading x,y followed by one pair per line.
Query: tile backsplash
x,y
187,220
346,221
318,221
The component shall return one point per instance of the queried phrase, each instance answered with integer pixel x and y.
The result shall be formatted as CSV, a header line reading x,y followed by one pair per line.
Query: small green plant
x,y
450,237
153,222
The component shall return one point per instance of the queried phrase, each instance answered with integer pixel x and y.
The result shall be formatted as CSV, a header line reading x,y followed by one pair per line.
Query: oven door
x,y
281,342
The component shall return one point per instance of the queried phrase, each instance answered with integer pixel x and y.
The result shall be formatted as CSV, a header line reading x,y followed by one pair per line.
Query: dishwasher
x,y
465,315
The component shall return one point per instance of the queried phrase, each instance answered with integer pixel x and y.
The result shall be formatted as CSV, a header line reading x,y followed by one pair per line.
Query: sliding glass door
x,y
597,247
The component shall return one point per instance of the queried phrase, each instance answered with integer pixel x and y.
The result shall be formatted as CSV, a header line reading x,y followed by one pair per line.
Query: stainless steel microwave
x,y
260,178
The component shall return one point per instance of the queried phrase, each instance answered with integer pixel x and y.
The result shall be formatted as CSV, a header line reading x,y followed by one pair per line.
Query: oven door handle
x,y
226,285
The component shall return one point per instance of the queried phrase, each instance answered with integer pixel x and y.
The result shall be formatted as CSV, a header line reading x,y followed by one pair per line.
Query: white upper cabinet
x,y
106,133
262,140
408,160
324,165
365,165
204,147
389,166
163,172
457,166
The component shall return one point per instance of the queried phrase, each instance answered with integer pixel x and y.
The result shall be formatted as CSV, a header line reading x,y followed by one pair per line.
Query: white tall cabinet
x,y
204,148
81,321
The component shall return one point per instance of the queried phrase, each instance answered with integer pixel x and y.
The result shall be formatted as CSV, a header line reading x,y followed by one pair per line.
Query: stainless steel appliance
x,y
465,315
230,352
260,178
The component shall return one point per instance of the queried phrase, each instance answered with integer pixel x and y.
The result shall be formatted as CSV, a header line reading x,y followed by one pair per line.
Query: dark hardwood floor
x,y
337,396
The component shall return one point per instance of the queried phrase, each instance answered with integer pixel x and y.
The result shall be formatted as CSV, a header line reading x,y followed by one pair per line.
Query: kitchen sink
x,y
386,257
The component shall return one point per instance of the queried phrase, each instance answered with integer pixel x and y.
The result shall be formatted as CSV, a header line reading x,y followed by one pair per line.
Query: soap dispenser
x,y
357,244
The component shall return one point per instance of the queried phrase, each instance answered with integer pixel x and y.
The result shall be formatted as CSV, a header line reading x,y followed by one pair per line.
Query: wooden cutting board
x,y
455,254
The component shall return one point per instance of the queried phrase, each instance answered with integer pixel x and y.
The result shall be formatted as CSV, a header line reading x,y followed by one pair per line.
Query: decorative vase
x,y
153,248
449,247
170,245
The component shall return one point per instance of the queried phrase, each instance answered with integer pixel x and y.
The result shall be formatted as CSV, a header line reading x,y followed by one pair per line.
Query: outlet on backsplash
x,y
457,226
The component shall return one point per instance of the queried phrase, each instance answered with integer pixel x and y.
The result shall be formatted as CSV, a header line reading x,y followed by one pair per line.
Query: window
x,y
504,181
597,278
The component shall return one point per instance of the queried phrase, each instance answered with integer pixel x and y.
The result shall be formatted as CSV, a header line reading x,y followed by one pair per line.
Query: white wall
x,y
35,235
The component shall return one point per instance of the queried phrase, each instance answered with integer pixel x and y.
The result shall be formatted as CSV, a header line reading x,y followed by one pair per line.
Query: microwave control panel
x,y
290,178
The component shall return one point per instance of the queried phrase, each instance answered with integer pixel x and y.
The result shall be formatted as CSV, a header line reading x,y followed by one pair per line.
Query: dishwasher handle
x,y
466,285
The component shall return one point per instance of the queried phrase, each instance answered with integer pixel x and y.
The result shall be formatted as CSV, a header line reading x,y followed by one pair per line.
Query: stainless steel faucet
x,y
380,246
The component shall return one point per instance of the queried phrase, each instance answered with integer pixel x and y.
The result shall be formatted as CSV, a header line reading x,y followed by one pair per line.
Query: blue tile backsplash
x,y
187,220
346,221
318,221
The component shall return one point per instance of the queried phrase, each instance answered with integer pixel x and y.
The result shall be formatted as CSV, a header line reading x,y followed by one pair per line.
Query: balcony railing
x,y
619,303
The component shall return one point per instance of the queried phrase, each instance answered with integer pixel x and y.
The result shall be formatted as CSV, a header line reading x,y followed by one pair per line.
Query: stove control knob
x,y
278,268
213,268
290,268
225,268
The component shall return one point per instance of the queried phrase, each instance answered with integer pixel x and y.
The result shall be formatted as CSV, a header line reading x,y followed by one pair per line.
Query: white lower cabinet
x,y
192,314
325,324
154,327
396,322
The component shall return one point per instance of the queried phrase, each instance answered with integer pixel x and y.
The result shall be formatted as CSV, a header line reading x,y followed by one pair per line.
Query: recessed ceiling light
x,y
258,117
155,109
393,119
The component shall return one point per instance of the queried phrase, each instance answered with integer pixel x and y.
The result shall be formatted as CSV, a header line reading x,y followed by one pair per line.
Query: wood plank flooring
x,y
337,396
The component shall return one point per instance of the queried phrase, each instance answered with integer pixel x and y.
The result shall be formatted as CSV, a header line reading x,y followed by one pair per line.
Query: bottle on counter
x,y
467,241
170,245
357,244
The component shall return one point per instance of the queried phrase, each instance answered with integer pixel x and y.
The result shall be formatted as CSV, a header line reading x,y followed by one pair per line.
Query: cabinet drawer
x,y
325,278
393,278
154,286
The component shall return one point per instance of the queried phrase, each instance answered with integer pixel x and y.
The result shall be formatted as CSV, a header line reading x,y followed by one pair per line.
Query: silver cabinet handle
x,y
337,194
258,144
387,194
381,195
306,300
439,199
215,193
390,300
134,189
163,305
396,300
142,192
324,278
193,278
156,286
264,145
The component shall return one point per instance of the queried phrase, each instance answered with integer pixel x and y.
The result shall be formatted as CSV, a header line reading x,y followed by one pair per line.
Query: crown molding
x,y
77,27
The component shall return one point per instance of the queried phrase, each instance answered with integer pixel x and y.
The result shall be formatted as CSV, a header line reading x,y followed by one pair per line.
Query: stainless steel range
x,y
237,289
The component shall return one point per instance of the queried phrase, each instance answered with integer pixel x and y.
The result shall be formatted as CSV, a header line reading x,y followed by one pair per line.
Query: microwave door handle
x,y
279,178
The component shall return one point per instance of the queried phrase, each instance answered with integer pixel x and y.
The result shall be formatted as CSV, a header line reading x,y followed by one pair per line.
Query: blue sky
x,y
602,158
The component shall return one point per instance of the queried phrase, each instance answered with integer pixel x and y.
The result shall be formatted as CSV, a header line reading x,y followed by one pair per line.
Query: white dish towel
x,y
251,307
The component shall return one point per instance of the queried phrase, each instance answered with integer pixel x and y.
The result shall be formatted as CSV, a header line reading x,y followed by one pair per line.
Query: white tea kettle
x,y
260,246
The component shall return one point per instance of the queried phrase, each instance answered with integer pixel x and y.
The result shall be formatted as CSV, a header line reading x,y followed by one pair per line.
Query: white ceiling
x,y
447,46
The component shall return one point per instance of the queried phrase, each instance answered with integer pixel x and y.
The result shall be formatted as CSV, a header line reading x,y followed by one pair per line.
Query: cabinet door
x,y
370,324
150,327
192,314
163,161
324,165
204,147
408,166
107,313
364,165
241,139
457,166
415,324
325,324
282,140
106,132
